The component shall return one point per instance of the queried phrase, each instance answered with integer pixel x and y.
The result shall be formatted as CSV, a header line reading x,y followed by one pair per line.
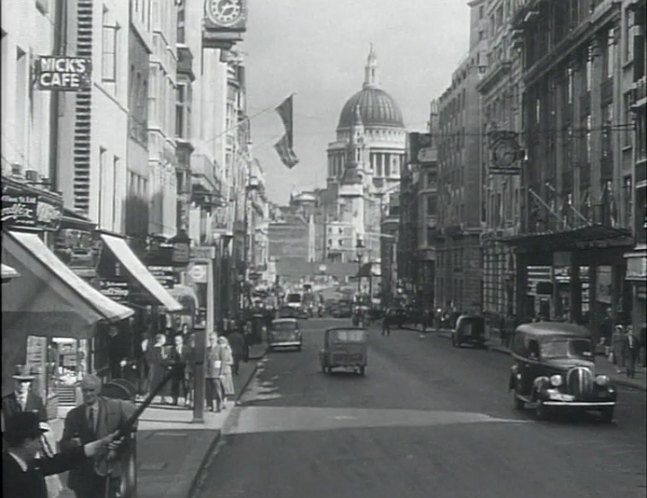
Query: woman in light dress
x,y
227,360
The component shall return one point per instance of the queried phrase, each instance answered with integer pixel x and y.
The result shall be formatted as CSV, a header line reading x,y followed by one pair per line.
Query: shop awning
x,y
139,272
588,237
8,272
50,299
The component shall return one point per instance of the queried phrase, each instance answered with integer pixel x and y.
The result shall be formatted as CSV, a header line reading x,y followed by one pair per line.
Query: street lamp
x,y
359,250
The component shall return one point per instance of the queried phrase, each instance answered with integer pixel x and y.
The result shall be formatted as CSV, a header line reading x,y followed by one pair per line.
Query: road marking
x,y
255,419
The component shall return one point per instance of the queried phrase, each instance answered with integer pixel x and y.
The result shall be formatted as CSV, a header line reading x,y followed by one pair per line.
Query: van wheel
x,y
517,403
541,411
606,414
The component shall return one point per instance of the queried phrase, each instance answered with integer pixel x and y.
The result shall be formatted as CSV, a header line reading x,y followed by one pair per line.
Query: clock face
x,y
224,12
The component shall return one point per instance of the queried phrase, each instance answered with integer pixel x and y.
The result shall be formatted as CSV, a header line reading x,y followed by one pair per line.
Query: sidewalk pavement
x,y
602,364
171,449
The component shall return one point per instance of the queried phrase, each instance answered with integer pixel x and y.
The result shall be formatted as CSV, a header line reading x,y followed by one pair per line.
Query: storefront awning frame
x,y
124,254
72,297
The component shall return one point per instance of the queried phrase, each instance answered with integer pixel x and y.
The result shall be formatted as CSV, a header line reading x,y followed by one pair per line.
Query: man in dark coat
x,y
96,418
181,358
239,350
23,399
23,475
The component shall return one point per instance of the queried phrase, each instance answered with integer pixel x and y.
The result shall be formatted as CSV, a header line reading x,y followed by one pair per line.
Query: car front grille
x,y
579,381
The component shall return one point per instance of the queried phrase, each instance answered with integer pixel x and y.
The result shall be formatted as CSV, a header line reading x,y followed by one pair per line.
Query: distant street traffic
x,y
427,420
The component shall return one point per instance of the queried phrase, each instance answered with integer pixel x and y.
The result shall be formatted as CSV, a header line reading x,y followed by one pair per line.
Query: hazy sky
x,y
318,50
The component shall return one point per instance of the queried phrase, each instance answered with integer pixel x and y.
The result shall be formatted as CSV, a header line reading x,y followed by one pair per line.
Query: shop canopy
x,y
49,299
8,273
139,272
588,237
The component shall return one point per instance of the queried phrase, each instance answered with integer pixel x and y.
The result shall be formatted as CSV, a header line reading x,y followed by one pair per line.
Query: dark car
x,y
469,329
397,316
554,369
284,333
344,309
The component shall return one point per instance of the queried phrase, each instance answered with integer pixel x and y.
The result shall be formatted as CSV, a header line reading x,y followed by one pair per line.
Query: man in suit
x,y
181,358
94,419
23,474
23,399
239,350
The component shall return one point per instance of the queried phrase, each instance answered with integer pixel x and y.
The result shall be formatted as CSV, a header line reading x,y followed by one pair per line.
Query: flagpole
x,y
248,118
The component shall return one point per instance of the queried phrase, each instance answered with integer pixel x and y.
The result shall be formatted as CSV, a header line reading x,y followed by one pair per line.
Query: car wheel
x,y
541,411
362,370
517,403
606,414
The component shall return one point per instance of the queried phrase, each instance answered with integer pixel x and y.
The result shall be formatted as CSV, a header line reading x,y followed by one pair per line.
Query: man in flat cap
x,y
23,474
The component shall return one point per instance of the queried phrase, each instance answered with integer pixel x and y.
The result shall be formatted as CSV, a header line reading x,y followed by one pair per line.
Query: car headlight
x,y
556,380
602,380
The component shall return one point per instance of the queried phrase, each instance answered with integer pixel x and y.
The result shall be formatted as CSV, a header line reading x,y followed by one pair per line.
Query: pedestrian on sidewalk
x,y
227,360
630,351
158,361
386,323
143,367
23,400
212,374
24,472
239,350
189,370
179,357
93,420
618,340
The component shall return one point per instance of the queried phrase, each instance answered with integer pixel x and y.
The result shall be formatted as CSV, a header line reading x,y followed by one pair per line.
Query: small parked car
x,y
553,369
284,333
469,329
344,347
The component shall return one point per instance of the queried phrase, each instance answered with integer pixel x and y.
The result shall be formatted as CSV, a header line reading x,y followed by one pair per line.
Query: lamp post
x,y
359,250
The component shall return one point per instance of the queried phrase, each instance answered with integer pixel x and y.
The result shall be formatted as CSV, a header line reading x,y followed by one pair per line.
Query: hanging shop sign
x,y
25,208
63,74
221,223
224,23
198,273
505,153
116,289
636,268
164,275
420,148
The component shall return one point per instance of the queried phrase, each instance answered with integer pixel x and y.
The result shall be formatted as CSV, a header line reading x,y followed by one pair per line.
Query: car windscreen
x,y
348,335
284,326
566,348
294,298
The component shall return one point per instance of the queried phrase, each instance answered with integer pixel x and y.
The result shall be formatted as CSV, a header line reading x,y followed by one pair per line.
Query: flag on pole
x,y
285,152
284,146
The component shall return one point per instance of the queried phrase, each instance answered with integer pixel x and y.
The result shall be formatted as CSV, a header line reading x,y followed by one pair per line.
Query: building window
x,y
611,52
587,138
181,23
432,205
183,110
607,148
628,38
627,186
570,85
589,68
109,48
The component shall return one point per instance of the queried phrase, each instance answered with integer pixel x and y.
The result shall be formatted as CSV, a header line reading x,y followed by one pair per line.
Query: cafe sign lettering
x,y
67,74
28,210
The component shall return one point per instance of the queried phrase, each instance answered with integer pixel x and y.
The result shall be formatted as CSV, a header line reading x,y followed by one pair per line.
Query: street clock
x,y
225,13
